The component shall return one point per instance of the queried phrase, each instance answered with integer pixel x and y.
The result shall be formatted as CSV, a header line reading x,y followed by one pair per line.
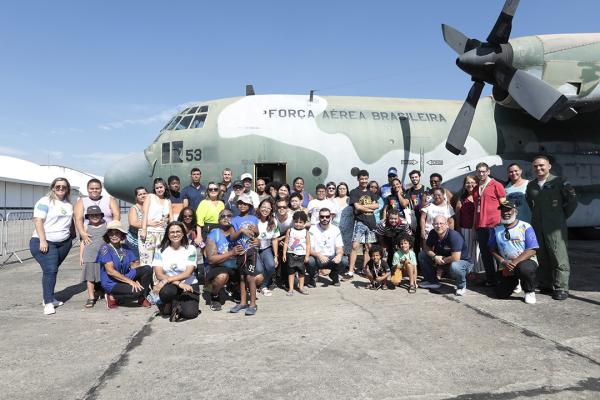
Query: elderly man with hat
x,y
513,244
386,189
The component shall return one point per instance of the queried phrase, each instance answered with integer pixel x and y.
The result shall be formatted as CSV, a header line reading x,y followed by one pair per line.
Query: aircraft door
x,y
271,172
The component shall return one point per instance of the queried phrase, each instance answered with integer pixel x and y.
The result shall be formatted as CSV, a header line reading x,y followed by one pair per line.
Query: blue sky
x,y
85,83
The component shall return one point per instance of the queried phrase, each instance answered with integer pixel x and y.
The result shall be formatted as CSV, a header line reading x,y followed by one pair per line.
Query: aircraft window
x,y
192,110
198,121
172,124
184,123
176,152
185,111
203,109
166,152
167,124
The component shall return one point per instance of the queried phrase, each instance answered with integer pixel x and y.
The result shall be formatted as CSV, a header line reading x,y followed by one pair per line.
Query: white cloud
x,y
11,151
163,116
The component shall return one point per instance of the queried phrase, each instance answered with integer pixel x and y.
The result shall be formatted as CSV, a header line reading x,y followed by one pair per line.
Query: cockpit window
x,y
190,118
198,121
167,124
175,122
184,123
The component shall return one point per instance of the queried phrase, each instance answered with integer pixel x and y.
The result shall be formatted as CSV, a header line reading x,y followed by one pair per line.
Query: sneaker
x,y
215,305
49,309
530,298
111,302
266,292
55,303
250,310
430,285
517,289
310,285
143,302
337,284
349,275
461,291
237,308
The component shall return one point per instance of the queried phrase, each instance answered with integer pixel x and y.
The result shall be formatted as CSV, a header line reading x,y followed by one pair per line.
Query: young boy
x,y
297,251
378,271
405,261
96,228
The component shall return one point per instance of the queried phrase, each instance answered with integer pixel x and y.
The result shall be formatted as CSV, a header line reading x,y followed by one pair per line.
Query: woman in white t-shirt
x,y
174,264
268,232
156,215
51,240
438,206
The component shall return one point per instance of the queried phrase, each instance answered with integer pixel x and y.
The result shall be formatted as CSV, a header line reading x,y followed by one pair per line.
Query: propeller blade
x,y
464,119
457,40
536,97
501,31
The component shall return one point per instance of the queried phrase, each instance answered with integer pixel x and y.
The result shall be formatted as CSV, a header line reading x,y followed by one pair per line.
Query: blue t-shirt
x,y
386,190
194,196
450,243
517,196
244,222
522,237
223,245
121,258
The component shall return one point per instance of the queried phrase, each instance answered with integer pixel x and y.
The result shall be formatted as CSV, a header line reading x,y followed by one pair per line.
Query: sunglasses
x,y
60,187
506,233
324,216
331,188
223,216
212,189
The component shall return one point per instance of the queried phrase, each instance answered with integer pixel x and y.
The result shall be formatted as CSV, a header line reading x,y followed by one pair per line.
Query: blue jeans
x,y
50,261
458,270
265,265
483,236
314,265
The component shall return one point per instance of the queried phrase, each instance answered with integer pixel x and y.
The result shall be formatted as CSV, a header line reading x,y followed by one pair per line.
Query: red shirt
x,y
487,214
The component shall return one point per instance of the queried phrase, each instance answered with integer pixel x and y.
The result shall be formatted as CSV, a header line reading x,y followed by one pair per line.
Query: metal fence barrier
x,y
17,230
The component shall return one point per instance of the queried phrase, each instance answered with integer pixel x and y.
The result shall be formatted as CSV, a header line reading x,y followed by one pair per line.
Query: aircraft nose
x,y
126,174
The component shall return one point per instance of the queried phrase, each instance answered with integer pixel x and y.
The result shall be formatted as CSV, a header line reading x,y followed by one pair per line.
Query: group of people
x,y
240,237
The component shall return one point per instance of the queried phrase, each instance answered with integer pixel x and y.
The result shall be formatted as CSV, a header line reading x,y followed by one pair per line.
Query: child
x,y
245,232
405,260
378,271
297,251
96,228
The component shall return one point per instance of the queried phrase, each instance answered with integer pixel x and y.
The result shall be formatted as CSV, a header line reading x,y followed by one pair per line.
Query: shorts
x,y
217,270
246,263
296,264
362,234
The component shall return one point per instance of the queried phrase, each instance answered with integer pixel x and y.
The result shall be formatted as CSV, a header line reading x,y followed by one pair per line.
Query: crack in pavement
x,y
525,331
589,384
115,366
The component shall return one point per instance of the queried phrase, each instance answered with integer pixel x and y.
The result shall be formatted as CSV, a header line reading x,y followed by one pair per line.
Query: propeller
x,y
491,62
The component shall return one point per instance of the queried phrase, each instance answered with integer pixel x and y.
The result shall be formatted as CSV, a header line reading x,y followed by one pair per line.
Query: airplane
x,y
544,101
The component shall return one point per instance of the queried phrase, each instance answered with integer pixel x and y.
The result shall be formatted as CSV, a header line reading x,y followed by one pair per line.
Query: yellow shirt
x,y
208,213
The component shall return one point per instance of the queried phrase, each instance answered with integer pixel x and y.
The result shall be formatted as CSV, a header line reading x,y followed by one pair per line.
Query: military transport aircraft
x,y
544,101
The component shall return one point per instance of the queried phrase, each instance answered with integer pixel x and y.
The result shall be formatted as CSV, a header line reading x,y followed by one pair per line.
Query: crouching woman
x,y
121,275
174,264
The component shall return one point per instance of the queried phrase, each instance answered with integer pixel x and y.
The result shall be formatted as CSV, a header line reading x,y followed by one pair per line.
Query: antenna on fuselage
x,y
250,90
312,95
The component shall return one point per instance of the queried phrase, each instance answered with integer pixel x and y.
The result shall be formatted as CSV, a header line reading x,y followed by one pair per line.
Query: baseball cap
x,y
237,183
392,171
244,198
506,204
246,175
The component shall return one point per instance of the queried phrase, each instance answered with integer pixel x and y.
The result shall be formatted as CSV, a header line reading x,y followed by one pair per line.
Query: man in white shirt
x,y
326,250
318,203
246,179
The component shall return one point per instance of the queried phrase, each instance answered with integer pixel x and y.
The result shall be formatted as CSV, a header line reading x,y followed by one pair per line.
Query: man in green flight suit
x,y
552,200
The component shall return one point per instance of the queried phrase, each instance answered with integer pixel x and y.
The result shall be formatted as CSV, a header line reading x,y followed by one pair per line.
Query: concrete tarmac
x,y
336,343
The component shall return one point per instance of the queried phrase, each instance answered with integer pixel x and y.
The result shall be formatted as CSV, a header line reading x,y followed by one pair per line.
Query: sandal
x,y
303,291
175,313
412,289
90,303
